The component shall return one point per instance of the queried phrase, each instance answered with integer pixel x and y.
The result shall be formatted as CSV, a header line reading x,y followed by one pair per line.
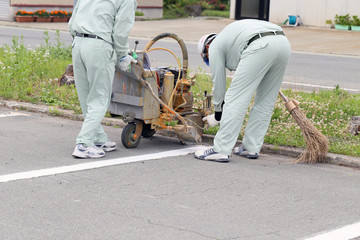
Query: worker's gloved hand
x,y
210,120
133,54
125,63
218,116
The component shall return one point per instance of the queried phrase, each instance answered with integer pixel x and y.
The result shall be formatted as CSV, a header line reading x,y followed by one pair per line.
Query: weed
x,y
30,75
54,112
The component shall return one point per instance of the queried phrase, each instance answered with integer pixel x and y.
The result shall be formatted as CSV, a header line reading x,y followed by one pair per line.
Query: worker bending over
x,y
258,52
100,29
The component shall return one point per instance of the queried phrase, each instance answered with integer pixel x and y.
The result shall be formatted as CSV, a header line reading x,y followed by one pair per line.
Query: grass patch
x,y
215,13
31,75
330,112
174,13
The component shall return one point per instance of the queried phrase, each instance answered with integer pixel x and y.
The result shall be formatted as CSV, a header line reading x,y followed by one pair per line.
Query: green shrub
x,y
216,4
342,19
355,21
171,4
176,8
174,13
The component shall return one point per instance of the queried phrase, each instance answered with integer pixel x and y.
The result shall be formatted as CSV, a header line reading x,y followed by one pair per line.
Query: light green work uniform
x,y
259,67
94,59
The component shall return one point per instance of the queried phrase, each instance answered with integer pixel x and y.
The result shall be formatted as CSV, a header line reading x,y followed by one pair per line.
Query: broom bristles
x,y
316,143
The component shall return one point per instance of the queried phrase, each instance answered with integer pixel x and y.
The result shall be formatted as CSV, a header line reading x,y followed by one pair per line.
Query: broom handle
x,y
282,95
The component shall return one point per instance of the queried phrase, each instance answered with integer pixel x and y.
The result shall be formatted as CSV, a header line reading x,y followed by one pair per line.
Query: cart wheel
x,y
127,136
147,132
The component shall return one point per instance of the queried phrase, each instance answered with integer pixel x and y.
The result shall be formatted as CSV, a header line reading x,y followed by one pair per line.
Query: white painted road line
x,y
13,114
97,164
344,233
305,85
319,86
327,54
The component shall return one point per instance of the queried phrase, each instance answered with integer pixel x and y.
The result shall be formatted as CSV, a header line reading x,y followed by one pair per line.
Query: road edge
x,y
335,159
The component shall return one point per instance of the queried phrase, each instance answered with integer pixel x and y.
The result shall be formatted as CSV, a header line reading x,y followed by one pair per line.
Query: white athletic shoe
x,y
88,152
244,153
108,146
211,155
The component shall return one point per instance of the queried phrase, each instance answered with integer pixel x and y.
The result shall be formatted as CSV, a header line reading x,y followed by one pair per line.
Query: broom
x,y
316,143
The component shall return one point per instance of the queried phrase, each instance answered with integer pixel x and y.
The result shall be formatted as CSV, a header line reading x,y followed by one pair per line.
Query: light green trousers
x,y
261,70
94,68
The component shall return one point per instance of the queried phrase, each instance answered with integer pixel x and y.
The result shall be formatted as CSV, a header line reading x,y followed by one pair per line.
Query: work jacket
x,y
226,51
110,20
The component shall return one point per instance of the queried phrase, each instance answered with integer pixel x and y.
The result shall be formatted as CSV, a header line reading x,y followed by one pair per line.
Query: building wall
x,y
34,5
151,9
312,12
232,9
41,2
156,3
144,3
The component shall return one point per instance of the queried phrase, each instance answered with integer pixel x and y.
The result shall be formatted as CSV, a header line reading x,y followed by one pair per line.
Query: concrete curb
x,y
336,159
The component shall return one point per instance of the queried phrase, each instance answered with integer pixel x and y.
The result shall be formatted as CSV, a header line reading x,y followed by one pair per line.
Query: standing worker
x,y
258,52
100,29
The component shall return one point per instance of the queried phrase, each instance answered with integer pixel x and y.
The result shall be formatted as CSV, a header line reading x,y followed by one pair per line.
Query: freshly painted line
x,y
34,29
13,114
97,164
344,233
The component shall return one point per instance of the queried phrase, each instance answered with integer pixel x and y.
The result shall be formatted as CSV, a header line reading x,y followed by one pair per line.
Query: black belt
x,y
260,35
88,36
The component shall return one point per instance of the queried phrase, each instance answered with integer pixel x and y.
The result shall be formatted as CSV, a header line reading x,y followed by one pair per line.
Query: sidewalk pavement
x,y
302,39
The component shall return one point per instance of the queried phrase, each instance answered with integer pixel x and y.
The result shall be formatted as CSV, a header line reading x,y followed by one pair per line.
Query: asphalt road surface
x,y
160,191
305,71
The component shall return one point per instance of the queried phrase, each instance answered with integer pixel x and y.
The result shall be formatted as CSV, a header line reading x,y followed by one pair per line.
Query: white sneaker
x,y
244,153
211,155
88,152
108,146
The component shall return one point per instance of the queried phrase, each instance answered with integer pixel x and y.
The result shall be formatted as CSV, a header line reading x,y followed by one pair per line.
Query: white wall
x,y
232,9
42,2
151,8
312,12
151,13
5,10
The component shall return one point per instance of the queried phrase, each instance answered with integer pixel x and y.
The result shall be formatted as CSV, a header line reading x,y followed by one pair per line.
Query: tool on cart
x,y
152,99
